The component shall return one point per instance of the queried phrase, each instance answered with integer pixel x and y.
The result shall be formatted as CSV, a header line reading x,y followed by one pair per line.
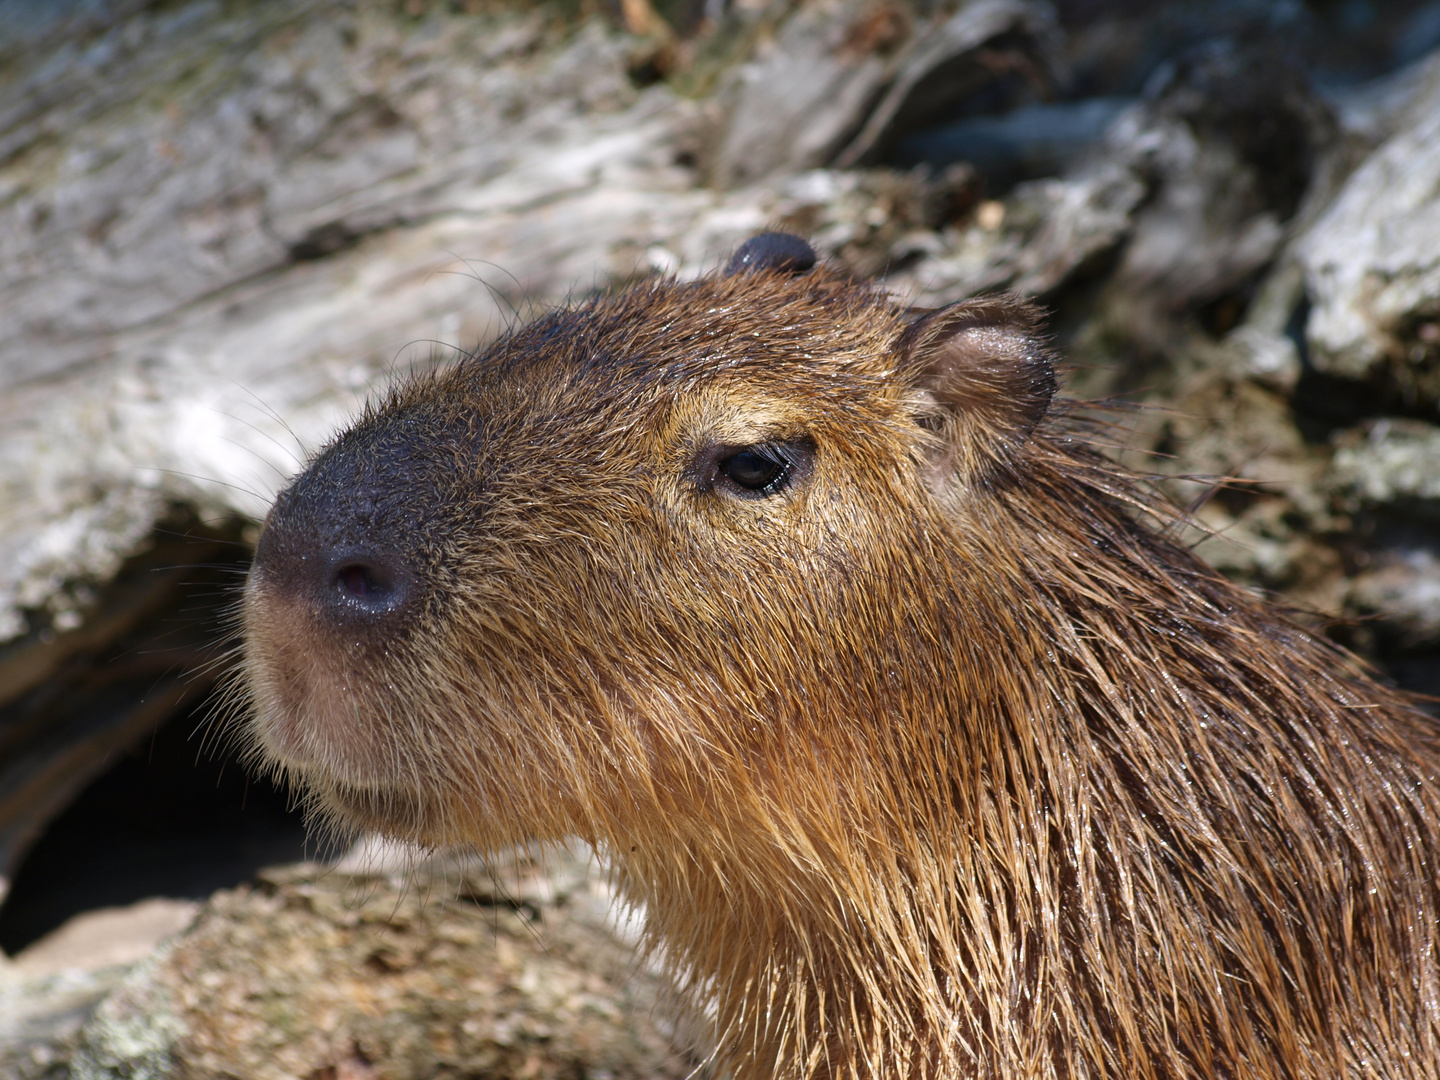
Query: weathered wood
x,y
444,968
1372,262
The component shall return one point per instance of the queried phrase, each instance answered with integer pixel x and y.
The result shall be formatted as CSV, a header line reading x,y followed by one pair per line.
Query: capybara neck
x,y
925,748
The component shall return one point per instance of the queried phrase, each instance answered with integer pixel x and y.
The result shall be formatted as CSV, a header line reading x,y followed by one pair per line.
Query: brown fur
x,y
939,763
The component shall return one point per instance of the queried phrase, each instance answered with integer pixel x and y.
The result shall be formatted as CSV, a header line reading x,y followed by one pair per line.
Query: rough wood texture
x,y
447,969
250,233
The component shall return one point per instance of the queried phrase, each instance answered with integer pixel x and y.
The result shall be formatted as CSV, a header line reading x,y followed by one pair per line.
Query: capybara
x,y
926,748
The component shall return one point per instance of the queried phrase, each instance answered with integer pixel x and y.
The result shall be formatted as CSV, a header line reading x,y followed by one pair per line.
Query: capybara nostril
x,y
341,579
369,584
343,558
360,582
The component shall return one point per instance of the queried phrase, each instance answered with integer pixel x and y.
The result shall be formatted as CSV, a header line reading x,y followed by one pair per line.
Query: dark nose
x,y
342,545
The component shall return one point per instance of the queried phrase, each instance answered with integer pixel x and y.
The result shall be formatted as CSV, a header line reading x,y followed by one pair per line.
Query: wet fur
x,y
944,763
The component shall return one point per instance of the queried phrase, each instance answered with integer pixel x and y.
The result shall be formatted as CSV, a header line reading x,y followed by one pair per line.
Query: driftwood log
x,y
221,228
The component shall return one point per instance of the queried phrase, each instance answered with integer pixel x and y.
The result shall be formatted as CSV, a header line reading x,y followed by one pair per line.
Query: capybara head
x,y
926,753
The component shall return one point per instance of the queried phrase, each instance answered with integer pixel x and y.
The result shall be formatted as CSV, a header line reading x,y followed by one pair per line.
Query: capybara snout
x,y
349,539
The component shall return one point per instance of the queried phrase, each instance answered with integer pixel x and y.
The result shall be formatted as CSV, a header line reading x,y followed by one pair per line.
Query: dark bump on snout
x,y
343,583
344,540
779,251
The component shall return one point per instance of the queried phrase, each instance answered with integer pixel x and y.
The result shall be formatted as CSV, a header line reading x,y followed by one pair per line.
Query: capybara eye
x,y
757,468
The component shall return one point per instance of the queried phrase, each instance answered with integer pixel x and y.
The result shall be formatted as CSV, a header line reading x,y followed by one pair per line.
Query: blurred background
x,y
223,225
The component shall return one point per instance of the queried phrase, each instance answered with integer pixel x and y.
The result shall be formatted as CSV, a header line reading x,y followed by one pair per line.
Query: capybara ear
x,y
983,379
784,252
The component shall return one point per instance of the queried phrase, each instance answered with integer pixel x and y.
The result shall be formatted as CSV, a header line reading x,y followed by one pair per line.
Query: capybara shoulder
x,y
926,751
